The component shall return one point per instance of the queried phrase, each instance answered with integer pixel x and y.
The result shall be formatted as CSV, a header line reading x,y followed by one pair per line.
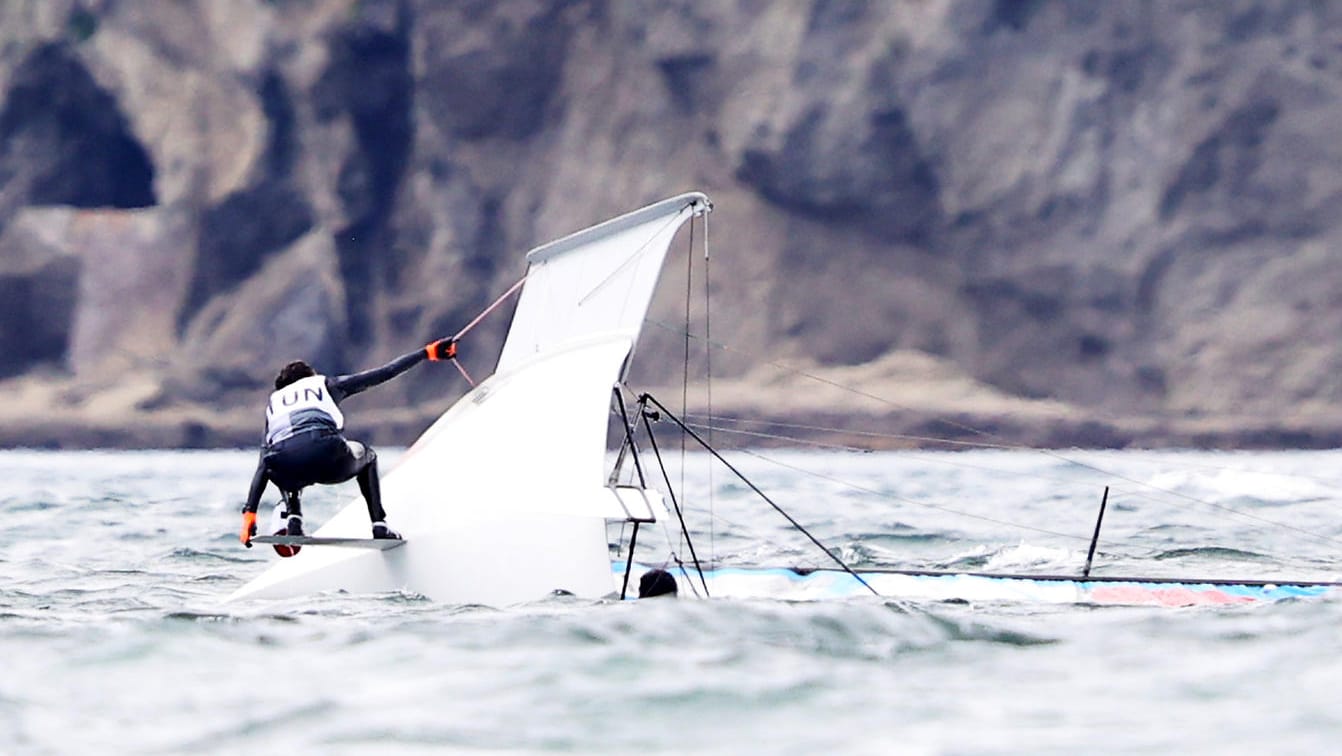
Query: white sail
x,y
504,499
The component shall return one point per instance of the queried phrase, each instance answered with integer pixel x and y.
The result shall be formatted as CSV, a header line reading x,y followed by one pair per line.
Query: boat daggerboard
x,y
504,498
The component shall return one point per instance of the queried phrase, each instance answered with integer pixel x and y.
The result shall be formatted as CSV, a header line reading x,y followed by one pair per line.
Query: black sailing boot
x,y
380,530
294,511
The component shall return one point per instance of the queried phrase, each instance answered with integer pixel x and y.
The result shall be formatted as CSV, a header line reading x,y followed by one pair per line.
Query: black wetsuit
x,y
313,450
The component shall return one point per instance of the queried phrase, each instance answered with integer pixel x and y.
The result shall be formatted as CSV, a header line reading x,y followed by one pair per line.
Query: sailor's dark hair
x,y
294,371
656,583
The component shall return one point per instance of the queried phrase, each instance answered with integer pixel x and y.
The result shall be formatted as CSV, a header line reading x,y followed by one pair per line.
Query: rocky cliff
x,y
1011,220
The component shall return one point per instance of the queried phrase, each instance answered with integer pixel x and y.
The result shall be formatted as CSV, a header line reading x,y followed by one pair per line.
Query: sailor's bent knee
x,y
363,453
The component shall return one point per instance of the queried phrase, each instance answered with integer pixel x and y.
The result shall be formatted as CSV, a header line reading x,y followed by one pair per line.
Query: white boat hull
x,y
484,561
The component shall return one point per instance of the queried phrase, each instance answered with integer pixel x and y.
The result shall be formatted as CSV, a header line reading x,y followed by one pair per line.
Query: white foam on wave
x,y
1222,485
1024,556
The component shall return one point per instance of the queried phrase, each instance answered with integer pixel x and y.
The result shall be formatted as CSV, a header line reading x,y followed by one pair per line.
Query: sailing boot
x,y
380,530
294,513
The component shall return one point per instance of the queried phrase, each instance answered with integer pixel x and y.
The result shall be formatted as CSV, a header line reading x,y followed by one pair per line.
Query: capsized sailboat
x,y
507,497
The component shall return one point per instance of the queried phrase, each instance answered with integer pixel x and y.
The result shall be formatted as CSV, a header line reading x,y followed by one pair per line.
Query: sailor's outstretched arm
x,y
348,385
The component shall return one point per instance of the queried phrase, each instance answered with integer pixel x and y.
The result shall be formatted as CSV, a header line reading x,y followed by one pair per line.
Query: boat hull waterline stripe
x,y
786,583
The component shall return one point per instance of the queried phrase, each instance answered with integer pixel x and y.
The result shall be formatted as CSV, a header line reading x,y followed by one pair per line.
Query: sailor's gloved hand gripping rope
x,y
442,349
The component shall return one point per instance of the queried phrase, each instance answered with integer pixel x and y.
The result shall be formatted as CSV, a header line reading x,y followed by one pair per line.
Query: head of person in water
x,y
294,371
656,583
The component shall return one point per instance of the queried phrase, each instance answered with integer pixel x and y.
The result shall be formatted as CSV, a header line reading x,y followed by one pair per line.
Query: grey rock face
x,y
64,141
39,293
293,308
1128,212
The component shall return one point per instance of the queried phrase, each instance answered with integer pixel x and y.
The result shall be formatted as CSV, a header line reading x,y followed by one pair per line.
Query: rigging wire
x,y
1190,464
1007,445
1127,454
765,540
618,398
685,365
698,439
1114,498
843,431
630,447
893,497
860,450
684,531
798,440
708,389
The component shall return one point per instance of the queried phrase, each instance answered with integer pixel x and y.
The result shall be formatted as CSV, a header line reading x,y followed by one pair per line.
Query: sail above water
x,y
504,498
597,283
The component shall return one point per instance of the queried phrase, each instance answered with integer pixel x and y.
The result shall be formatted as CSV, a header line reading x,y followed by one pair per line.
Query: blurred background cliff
x,y
1054,222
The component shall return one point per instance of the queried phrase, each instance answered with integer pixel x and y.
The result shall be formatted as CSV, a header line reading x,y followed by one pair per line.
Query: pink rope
x,y
479,318
463,372
490,309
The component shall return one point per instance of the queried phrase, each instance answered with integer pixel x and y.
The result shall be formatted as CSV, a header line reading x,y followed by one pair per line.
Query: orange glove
x,y
442,349
248,528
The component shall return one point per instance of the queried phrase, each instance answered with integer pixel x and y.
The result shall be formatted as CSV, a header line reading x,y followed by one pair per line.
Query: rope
x,y
476,321
463,372
490,309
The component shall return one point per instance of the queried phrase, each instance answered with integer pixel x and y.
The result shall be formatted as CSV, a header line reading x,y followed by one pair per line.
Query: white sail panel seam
x,y
673,220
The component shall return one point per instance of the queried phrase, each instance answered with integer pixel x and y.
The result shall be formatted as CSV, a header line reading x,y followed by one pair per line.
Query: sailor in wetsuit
x,y
304,445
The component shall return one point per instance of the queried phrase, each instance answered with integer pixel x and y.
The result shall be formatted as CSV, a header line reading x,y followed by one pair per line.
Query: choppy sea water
x,y
114,637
